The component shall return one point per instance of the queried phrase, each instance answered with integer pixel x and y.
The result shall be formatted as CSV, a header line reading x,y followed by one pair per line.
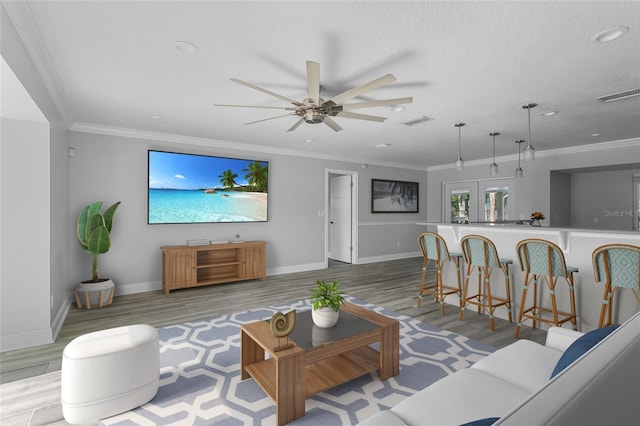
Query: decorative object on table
x,y
93,231
536,218
393,196
326,299
281,326
237,239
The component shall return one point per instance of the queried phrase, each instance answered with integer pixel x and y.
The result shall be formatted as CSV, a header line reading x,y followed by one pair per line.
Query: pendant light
x,y
459,161
529,151
493,167
519,171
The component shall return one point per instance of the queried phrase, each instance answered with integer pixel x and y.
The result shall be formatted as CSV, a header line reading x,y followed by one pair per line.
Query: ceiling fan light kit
x,y
315,110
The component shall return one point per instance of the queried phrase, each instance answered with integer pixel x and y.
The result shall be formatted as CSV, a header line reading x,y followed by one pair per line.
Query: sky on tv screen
x,y
170,170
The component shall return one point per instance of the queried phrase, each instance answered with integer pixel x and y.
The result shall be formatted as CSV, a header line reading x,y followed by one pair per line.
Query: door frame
x,y
354,212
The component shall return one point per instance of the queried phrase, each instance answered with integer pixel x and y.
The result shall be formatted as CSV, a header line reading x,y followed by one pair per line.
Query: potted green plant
x,y
93,231
326,299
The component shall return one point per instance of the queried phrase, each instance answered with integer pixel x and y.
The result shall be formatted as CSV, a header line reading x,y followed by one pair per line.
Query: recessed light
x,y
609,34
154,116
549,113
185,47
383,145
593,135
397,108
308,140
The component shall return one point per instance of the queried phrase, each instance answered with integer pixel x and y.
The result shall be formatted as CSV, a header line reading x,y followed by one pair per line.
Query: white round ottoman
x,y
109,372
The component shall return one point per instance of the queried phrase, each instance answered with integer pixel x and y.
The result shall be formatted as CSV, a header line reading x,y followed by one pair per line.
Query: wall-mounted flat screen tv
x,y
191,188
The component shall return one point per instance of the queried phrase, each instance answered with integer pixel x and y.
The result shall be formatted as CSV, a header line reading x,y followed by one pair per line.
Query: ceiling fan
x,y
314,109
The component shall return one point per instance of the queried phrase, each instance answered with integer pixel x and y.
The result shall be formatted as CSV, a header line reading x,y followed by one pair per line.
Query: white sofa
x,y
601,387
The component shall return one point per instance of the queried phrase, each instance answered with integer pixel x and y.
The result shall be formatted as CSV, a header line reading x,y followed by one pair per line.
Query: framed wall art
x,y
394,196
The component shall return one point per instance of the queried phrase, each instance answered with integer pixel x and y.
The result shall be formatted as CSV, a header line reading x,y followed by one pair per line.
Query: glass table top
x,y
307,335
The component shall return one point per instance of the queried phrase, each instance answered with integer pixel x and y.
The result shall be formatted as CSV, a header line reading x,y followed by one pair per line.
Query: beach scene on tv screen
x,y
189,188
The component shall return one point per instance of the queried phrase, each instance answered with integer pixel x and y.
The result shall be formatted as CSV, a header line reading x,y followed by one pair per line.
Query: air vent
x,y
422,119
619,96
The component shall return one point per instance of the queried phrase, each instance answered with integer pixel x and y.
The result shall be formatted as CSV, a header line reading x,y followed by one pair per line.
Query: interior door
x,y
340,218
460,202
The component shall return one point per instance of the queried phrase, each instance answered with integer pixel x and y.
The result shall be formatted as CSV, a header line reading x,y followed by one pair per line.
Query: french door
x,y
478,201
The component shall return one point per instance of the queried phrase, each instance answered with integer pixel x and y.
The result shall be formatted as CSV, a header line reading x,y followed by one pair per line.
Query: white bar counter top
x,y
577,245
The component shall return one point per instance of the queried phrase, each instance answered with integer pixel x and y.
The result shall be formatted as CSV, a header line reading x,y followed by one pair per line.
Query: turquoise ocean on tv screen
x,y
188,206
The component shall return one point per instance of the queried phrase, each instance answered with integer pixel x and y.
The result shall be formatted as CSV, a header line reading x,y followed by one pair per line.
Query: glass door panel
x,y
496,203
460,203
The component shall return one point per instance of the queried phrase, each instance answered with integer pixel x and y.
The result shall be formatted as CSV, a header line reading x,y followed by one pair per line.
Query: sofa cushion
x,y
383,418
525,364
581,346
467,395
482,422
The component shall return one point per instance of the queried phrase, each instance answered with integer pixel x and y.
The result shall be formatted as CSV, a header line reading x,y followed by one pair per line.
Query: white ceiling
x,y
110,64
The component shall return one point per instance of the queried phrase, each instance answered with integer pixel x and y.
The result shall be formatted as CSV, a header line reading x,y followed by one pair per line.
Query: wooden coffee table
x,y
320,358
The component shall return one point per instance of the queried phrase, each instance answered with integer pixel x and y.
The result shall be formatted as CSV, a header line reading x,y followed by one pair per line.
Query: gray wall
x,y
533,191
112,168
560,195
44,226
602,200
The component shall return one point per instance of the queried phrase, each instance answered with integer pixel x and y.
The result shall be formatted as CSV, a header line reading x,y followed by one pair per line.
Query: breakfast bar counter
x,y
577,245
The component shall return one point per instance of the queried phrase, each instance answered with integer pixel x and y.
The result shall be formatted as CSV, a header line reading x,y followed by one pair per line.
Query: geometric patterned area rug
x,y
200,375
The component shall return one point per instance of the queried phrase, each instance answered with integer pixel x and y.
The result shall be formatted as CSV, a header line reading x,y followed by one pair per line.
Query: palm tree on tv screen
x,y
228,178
256,176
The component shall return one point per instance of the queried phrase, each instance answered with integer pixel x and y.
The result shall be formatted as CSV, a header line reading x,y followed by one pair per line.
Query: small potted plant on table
x,y
536,217
93,229
326,299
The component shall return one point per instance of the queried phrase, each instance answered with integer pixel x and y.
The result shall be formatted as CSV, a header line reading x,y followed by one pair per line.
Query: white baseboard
x,y
122,289
295,268
383,258
61,315
26,340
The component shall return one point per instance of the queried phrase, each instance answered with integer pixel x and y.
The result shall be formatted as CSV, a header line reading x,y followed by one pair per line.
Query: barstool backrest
x,y
541,257
479,251
618,264
433,246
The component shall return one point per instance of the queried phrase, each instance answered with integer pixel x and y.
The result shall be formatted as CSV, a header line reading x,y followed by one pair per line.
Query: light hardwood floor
x,y
30,389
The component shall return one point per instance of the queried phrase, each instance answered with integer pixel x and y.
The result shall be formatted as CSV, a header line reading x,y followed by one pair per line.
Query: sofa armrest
x,y
560,339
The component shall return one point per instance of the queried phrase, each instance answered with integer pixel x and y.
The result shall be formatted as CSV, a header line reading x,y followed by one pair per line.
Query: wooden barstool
x,y
434,248
619,266
480,252
543,260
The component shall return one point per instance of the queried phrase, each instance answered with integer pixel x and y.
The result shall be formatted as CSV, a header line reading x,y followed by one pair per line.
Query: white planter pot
x,y
89,294
325,317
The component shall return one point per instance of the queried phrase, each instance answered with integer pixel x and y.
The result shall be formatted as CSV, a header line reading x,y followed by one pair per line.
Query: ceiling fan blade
x,y
346,114
268,92
267,119
357,91
313,80
383,102
295,126
329,122
254,106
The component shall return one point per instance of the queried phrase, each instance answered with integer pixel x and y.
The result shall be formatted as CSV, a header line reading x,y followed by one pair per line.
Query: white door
x,y
460,202
340,218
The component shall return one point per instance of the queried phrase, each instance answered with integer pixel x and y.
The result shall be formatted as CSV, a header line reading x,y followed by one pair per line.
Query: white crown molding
x,y
602,146
192,140
20,14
